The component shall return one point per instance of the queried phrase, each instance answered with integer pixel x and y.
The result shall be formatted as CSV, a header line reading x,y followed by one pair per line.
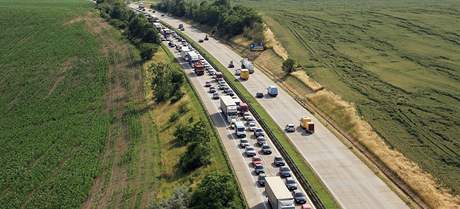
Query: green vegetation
x,y
166,83
226,20
215,191
53,126
183,143
138,30
289,65
398,61
306,170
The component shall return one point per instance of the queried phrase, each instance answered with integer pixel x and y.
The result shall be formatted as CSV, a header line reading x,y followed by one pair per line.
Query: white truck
x,y
183,51
240,130
191,56
278,194
246,64
157,25
228,107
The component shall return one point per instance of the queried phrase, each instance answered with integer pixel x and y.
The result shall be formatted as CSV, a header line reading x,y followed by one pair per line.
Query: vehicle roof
x,y
278,187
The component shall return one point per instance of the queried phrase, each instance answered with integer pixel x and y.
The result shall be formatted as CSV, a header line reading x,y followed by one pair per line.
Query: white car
x,y
290,127
252,126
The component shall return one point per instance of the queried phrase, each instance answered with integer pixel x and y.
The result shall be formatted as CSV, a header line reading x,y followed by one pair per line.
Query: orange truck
x,y
307,124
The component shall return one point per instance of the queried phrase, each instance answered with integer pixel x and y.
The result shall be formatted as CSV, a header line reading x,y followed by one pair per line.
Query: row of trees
x,y
216,190
166,82
136,27
226,20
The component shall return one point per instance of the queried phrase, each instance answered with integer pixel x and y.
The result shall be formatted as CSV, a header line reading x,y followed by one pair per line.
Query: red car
x,y
306,206
256,160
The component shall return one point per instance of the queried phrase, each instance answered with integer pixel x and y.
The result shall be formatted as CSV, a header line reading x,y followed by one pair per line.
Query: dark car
x,y
299,197
207,84
259,95
215,95
244,143
212,89
259,168
285,172
278,161
258,132
291,184
261,140
231,93
200,41
261,179
171,44
266,149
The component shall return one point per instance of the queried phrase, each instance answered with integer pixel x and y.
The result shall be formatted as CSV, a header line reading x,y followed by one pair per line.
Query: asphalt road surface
x,y
351,182
253,193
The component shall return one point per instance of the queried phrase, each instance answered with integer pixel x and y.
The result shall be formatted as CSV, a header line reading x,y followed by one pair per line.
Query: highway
x,y
350,181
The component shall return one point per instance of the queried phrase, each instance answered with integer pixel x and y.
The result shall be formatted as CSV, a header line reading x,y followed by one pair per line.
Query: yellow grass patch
x,y
271,42
304,78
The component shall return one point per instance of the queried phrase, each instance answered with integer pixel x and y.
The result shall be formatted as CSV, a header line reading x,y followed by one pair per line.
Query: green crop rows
x,y
52,124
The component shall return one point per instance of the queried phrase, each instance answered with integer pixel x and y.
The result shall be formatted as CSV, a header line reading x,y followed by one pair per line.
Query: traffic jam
x,y
255,146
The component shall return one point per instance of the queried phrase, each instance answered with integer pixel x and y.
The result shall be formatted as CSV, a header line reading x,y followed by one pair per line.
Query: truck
x,y
272,91
198,67
228,107
307,124
278,194
240,129
243,107
191,56
244,74
246,64
183,51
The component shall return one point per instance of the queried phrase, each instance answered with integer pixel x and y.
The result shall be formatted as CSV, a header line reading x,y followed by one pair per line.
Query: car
x,y
291,184
231,65
162,15
231,93
244,143
200,41
207,84
261,140
212,89
290,127
299,197
256,160
237,72
251,126
249,118
259,95
266,149
215,95
171,44
285,172
306,206
250,151
261,179
258,132
278,161
258,169
222,86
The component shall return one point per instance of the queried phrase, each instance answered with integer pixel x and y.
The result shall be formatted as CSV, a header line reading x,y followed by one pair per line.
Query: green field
x,y
398,61
52,85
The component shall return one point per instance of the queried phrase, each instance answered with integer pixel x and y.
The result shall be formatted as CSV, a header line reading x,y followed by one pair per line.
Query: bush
x,y
197,155
147,50
289,65
215,191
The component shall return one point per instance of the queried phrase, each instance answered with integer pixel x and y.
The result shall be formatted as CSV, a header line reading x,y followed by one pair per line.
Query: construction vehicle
x,y
228,107
278,194
198,67
272,91
245,63
307,124
244,74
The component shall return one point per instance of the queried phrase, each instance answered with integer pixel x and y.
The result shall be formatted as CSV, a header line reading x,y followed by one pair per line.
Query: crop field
x,y
397,61
53,125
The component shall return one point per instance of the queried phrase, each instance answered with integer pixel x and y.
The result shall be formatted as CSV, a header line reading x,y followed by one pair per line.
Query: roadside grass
x,y
306,170
53,126
168,176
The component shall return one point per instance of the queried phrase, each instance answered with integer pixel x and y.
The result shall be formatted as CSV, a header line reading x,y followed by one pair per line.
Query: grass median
x,y
323,193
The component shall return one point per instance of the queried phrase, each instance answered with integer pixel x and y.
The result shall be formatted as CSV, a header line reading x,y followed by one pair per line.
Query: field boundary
x,y
280,140
214,130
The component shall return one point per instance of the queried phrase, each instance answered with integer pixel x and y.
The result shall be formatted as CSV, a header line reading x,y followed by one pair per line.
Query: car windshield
x,y
252,124
284,169
278,158
299,194
250,148
244,141
240,129
265,147
259,167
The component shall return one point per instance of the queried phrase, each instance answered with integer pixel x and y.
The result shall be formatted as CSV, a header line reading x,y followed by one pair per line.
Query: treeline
x,y
226,20
136,27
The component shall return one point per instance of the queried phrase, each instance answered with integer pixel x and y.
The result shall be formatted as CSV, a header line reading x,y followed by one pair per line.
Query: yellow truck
x,y
307,124
244,74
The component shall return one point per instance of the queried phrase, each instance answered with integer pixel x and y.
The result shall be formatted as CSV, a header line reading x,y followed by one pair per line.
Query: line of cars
x,y
217,87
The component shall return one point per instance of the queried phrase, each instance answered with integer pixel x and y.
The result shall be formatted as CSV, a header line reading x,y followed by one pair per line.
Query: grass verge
x,y
300,162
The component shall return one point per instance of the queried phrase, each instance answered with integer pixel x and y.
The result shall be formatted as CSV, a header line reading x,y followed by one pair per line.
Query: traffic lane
x,y
367,192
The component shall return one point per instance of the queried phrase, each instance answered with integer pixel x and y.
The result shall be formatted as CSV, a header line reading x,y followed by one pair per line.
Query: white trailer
x,y
191,56
246,64
183,51
228,107
278,194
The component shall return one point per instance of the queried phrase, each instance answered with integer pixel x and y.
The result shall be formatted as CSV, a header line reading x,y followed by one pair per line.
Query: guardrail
x,y
295,170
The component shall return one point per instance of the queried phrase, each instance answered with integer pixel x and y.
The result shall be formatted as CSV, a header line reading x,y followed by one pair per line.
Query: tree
x,y
197,155
289,65
147,50
216,190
